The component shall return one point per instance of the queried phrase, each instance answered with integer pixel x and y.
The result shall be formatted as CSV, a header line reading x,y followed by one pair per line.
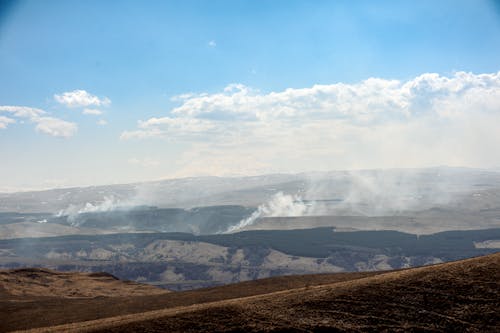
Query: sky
x,y
105,92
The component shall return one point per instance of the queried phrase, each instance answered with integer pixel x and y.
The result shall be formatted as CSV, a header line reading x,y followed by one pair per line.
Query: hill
x,y
29,311
457,296
182,261
39,282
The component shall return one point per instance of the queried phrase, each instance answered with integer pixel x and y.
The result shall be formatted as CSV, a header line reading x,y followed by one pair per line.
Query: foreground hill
x,y
39,282
40,309
457,296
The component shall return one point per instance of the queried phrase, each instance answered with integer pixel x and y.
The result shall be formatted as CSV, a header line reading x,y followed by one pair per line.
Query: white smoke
x,y
108,203
280,204
385,192
372,193
389,192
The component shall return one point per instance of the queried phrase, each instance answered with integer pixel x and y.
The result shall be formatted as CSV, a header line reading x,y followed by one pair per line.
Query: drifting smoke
x,y
109,203
367,193
389,192
279,205
386,192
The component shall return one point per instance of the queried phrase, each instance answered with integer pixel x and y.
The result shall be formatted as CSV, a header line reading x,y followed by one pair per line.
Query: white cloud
x,y
212,43
428,120
169,127
81,98
145,162
44,124
94,112
22,111
369,100
56,127
5,121
102,122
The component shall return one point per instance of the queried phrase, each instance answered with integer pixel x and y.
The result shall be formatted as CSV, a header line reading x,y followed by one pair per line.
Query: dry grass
x,y
29,282
25,312
462,296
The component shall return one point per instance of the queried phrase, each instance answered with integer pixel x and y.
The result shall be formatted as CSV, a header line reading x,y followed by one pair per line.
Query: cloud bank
x,y
428,120
44,124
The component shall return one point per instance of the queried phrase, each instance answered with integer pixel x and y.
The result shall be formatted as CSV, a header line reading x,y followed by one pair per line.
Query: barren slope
x,y
24,283
458,296
24,312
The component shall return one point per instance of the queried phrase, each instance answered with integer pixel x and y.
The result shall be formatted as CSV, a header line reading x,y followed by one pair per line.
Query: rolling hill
x,y
181,261
457,296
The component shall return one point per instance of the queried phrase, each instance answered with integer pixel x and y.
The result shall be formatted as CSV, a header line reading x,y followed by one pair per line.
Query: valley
x,y
180,261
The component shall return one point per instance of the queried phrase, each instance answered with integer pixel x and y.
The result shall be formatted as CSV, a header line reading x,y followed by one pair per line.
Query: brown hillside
x,y
29,282
459,296
24,312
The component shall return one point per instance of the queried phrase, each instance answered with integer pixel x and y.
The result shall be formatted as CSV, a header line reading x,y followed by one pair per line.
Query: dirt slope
x,y
24,312
28,282
459,296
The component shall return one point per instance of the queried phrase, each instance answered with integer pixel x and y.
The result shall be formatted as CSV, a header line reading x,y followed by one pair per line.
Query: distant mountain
x,y
174,193
420,201
363,192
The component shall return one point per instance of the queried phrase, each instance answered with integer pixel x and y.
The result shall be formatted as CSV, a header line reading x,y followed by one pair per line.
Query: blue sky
x,y
141,55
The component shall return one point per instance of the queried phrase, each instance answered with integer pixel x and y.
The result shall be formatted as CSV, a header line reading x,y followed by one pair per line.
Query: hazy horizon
x,y
311,172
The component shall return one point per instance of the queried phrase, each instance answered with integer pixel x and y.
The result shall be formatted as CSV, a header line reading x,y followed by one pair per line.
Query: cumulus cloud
x,y
369,100
5,121
428,120
80,98
102,122
44,124
22,111
56,127
93,112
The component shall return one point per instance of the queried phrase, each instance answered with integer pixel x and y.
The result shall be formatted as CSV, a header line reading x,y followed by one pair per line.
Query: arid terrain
x,y
249,166
200,232
457,296
38,282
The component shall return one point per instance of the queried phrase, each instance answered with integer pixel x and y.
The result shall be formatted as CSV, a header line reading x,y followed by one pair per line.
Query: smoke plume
x,y
108,203
280,204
